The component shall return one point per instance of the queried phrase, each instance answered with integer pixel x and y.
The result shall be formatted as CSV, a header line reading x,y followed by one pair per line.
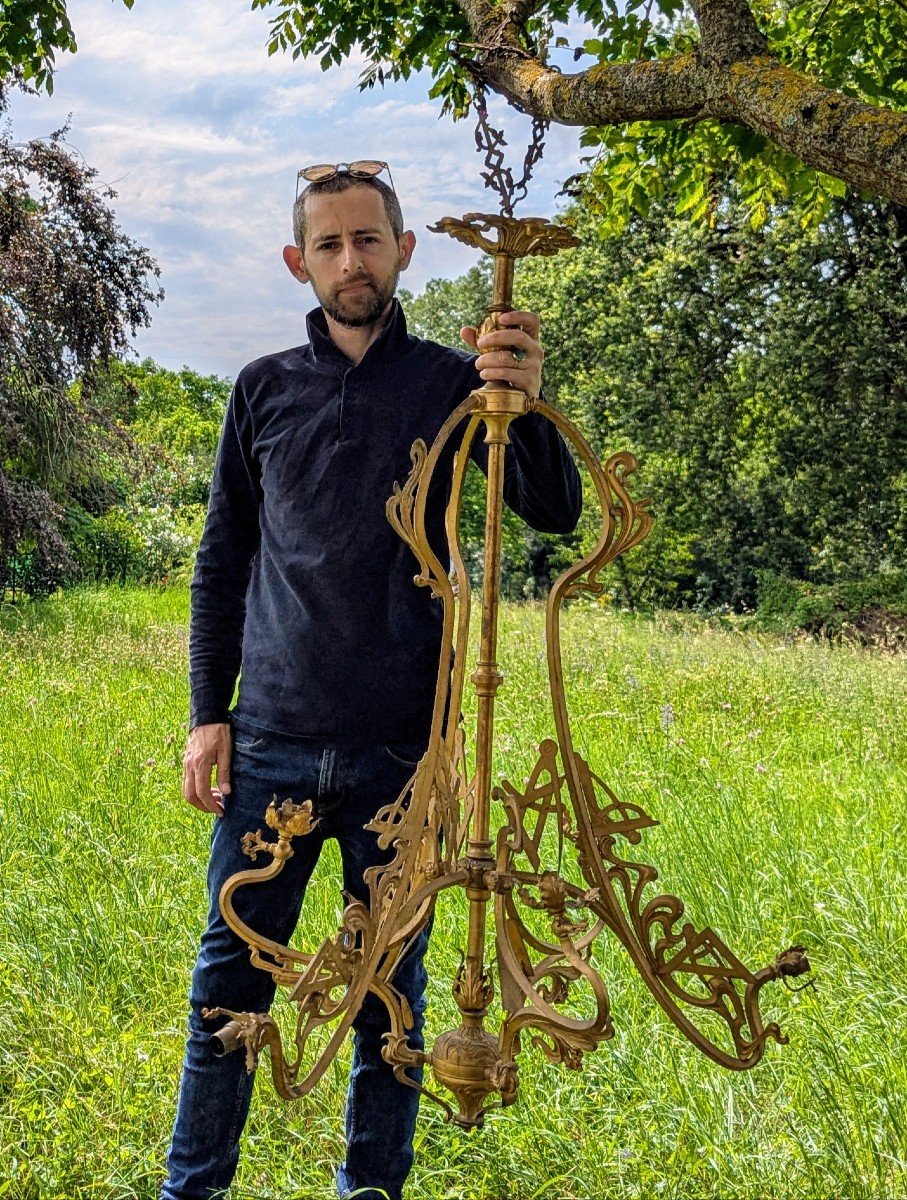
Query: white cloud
x,y
170,39
148,137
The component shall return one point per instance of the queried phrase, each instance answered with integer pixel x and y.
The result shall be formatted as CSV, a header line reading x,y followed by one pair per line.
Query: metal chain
x,y
491,141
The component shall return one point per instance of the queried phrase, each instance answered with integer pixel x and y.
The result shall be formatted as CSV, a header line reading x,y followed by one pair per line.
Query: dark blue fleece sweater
x,y
300,581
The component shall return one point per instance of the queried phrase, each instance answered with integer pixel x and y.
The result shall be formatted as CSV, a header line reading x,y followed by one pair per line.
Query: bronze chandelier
x,y
542,923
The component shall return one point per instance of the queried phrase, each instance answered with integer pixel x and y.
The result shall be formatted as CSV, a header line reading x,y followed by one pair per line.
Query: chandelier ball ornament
x,y
532,921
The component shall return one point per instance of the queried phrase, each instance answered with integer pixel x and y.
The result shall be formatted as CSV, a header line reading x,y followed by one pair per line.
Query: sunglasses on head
x,y
363,169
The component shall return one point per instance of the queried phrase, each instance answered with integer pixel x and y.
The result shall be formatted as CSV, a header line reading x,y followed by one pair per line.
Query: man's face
x,y
351,256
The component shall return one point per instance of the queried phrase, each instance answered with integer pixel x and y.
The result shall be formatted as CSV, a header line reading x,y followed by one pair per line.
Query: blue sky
x,y
182,112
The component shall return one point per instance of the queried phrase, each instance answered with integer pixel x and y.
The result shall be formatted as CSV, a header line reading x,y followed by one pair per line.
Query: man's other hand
x,y
511,354
209,747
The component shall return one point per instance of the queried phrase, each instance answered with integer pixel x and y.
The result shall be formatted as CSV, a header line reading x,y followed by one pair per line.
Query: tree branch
x,y
727,32
730,78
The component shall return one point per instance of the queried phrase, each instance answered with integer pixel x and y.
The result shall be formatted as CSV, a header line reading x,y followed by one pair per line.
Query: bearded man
x,y
303,589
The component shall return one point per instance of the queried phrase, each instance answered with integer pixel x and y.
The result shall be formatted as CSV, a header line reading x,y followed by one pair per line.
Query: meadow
x,y
777,767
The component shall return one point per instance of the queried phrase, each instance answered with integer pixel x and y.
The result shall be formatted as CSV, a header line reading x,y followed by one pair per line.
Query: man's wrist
x,y
208,717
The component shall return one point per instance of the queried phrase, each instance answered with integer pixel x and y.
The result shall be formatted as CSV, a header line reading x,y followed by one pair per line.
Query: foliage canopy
x,y
795,99
73,286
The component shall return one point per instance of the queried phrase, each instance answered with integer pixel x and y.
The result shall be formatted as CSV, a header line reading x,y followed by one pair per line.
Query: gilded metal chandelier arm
x,y
406,510
569,1036
405,507
532,991
625,522
401,516
462,598
358,960
649,931
288,820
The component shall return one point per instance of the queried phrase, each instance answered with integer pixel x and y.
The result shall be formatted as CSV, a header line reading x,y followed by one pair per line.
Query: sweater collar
x,y
388,345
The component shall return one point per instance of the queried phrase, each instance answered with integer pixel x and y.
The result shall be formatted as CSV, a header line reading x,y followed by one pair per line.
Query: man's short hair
x,y
342,182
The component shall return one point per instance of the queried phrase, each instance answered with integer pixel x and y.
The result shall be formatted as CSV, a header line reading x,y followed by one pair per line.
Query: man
x,y
302,583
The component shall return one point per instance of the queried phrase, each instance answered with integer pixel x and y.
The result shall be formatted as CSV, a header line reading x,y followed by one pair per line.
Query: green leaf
x,y
690,198
833,185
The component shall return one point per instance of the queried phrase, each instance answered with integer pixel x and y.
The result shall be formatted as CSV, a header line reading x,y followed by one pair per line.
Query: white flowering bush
x,y
165,539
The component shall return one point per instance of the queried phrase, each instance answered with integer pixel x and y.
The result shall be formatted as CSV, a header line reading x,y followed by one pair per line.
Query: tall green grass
x,y
779,772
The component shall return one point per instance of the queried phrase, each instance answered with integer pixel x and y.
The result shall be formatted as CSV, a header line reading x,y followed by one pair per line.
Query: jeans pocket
x,y
405,753
247,743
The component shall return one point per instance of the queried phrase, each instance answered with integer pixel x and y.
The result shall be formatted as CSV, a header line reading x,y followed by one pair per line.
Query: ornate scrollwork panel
x,y
539,974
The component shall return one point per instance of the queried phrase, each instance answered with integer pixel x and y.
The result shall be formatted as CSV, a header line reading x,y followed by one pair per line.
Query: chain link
x,y
491,142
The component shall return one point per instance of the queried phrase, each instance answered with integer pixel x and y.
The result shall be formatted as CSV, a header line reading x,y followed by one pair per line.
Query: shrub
x,y
871,610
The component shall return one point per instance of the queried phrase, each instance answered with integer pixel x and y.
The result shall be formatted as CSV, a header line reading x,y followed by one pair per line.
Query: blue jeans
x,y
347,786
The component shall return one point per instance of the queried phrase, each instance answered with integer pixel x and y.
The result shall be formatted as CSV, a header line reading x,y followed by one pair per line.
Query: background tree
x,y
758,374
31,32
150,530
760,377
72,287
